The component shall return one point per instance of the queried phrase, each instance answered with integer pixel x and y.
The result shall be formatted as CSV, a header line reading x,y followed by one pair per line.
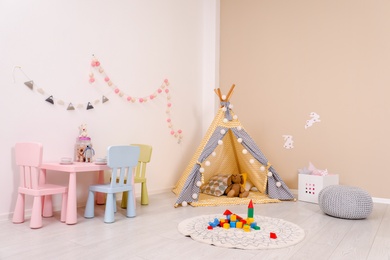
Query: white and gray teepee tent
x,y
225,149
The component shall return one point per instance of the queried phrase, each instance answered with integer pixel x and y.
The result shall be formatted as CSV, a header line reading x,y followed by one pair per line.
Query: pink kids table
x,y
72,169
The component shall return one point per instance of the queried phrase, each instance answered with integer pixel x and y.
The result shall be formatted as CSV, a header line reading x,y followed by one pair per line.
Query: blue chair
x,y
122,160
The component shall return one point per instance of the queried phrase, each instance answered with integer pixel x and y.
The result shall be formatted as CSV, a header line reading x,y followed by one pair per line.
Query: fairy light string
x,y
163,89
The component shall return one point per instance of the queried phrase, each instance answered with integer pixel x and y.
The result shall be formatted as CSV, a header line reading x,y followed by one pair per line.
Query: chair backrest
x,y
122,159
144,158
28,157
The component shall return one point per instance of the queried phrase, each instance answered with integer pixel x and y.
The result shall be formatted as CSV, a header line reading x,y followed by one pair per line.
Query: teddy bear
x,y
235,188
80,154
83,130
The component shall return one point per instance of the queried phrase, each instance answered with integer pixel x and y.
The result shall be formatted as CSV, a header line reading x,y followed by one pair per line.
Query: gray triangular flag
x,y
70,107
104,99
29,84
50,100
89,106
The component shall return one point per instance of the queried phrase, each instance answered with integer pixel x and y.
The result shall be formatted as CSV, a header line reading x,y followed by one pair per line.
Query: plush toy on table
x,y
83,130
88,153
80,154
235,186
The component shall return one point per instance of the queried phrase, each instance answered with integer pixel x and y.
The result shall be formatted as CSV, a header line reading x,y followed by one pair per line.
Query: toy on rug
x,y
235,221
235,186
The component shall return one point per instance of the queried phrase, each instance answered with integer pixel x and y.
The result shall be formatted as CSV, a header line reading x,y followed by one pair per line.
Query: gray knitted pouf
x,y
345,202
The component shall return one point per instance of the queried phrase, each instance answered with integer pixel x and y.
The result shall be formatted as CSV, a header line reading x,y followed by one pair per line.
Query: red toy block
x,y
273,235
227,212
210,227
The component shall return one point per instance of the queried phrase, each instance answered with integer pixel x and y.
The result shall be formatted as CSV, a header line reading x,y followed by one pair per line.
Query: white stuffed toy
x,y
83,130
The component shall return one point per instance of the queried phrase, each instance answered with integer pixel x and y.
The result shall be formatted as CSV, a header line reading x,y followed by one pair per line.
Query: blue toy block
x,y
256,228
214,223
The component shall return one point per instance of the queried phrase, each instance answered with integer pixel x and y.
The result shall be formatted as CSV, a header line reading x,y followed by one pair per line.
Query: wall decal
x,y
289,143
314,119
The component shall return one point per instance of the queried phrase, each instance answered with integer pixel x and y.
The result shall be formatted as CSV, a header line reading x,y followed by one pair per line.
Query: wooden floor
x,y
153,235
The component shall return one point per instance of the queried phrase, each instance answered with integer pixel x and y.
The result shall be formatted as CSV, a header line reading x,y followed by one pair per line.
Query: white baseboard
x,y
381,200
375,200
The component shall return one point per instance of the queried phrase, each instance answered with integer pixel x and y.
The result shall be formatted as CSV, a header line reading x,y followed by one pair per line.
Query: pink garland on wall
x,y
163,89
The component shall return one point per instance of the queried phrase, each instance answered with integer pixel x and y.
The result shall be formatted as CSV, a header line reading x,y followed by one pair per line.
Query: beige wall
x,y
290,58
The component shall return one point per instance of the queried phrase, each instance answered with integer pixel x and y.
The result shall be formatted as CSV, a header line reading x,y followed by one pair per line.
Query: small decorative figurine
x,y
88,153
80,154
83,148
83,130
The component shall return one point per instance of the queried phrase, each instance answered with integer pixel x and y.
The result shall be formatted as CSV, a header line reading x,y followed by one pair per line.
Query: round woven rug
x,y
287,233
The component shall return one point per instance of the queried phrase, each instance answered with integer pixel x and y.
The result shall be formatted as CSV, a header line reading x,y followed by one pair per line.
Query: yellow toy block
x,y
239,224
247,228
250,220
233,217
226,225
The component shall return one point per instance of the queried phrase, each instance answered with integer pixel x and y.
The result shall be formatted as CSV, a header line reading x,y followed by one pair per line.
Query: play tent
x,y
226,149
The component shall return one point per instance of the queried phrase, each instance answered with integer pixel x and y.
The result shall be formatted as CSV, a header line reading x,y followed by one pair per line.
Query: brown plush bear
x,y
235,188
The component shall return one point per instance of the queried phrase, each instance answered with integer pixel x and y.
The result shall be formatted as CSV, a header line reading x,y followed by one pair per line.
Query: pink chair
x,y
28,158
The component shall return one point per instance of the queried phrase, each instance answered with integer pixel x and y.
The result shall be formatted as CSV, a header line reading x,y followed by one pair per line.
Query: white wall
x,y
139,44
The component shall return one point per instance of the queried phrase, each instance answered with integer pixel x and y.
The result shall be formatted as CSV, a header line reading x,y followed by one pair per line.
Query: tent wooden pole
x,y
219,94
230,92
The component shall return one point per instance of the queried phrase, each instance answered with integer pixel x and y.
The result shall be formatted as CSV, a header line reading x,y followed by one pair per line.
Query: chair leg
x,y
115,203
36,214
131,204
144,194
90,207
124,200
19,209
47,206
64,208
109,216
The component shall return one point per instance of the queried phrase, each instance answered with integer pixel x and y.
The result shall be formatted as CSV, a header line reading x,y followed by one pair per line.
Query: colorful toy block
x,y
249,220
239,224
214,223
247,228
235,221
273,235
250,209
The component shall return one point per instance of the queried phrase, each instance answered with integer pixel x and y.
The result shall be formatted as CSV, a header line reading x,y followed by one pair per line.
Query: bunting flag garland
x,y
89,106
95,65
50,100
29,84
164,88
70,106
104,99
